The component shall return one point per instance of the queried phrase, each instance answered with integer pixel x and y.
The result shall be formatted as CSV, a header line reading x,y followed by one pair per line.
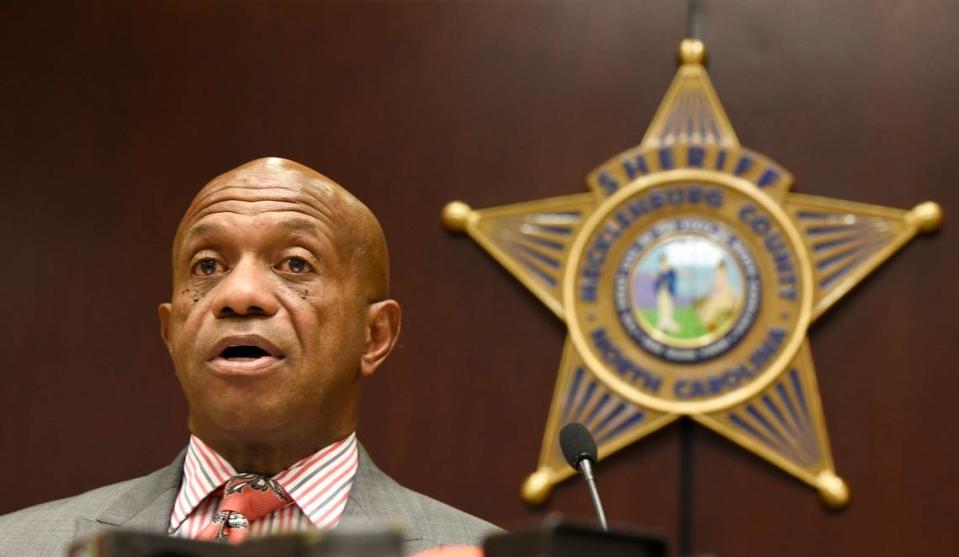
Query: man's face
x,y
267,324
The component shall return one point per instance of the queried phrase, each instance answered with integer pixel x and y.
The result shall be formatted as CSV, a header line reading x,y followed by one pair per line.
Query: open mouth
x,y
247,353
244,355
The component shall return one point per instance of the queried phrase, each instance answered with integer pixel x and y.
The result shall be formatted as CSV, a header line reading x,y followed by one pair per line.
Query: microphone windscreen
x,y
577,444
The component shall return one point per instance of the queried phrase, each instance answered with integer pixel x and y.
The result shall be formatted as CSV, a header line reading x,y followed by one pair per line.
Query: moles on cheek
x,y
198,290
194,293
187,306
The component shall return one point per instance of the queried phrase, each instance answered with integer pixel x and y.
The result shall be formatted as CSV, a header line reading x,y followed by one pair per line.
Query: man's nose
x,y
246,291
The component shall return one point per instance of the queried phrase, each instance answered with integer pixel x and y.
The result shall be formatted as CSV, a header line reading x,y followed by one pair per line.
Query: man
x,y
280,307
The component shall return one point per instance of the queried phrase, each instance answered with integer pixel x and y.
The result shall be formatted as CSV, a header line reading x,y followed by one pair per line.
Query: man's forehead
x,y
252,199
289,182
268,185
224,224
273,172
274,186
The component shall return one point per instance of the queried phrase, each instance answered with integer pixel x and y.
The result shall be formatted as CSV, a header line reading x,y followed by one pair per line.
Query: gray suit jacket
x,y
145,504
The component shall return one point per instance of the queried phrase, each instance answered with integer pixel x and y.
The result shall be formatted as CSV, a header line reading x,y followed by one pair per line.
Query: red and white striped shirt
x,y
318,484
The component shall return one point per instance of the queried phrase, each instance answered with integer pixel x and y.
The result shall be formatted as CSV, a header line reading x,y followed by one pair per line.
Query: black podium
x,y
559,538
554,538
383,542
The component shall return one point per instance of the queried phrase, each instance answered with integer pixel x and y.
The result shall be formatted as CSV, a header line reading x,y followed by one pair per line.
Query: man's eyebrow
x,y
301,225
201,229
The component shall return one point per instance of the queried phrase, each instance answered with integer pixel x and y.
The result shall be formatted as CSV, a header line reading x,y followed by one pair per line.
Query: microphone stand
x,y
586,469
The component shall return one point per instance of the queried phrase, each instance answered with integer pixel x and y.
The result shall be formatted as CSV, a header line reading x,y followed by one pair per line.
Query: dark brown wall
x,y
114,113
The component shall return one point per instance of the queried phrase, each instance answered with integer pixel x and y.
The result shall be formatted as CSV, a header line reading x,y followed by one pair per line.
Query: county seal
x,y
687,291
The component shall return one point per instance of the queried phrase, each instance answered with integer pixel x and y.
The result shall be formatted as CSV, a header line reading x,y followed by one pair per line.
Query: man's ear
x,y
382,330
164,310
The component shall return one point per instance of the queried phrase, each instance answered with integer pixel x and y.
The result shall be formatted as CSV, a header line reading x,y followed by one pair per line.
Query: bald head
x,y
356,233
279,308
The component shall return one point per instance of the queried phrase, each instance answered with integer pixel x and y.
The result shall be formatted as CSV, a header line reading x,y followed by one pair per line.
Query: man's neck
x,y
267,459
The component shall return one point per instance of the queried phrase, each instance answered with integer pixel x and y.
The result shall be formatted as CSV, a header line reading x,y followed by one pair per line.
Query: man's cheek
x,y
183,306
192,294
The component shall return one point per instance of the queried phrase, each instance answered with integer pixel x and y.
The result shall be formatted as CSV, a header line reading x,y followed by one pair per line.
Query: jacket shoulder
x,y
48,528
427,522
442,524
84,504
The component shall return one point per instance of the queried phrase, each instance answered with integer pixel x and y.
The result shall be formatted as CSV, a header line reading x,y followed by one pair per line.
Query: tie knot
x,y
253,496
246,497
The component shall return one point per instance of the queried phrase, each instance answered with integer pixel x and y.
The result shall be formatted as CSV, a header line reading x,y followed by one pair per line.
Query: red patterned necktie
x,y
246,497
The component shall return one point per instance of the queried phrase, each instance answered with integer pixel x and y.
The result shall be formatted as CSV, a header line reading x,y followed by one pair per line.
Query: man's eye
x,y
296,265
206,267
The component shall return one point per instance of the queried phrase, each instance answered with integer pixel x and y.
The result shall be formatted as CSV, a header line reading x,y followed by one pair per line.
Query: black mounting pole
x,y
694,20
694,30
686,487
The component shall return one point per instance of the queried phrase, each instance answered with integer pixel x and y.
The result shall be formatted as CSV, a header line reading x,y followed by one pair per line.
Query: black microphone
x,y
579,448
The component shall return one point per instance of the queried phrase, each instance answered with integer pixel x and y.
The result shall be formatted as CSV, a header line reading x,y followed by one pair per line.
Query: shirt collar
x,y
317,483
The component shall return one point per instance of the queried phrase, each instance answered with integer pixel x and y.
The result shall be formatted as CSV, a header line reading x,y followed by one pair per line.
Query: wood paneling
x,y
116,112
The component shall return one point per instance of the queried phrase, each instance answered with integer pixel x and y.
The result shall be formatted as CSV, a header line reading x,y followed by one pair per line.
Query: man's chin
x,y
246,419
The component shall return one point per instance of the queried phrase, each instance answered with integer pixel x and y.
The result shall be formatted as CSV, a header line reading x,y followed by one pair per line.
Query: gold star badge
x,y
687,277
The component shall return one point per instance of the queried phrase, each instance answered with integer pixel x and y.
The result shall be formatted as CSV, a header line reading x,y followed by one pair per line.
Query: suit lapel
x,y
376,500
144,504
